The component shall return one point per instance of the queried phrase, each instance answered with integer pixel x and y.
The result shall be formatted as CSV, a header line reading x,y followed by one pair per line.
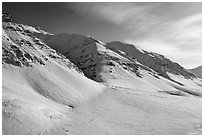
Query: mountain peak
x,y
197,71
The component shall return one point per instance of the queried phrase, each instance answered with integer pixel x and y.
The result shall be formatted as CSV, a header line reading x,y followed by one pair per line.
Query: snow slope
x,y
152,60
133,112
74,84
40,86
123,65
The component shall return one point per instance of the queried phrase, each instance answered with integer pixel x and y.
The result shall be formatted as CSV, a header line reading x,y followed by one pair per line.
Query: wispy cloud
x,y
127,14
179,38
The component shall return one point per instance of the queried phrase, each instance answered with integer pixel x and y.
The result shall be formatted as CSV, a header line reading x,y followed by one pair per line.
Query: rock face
x,y
87,57
197,71
6,17
21,48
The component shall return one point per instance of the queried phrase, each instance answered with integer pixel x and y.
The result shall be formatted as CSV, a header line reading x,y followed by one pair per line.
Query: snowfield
x,y
72,84
38,98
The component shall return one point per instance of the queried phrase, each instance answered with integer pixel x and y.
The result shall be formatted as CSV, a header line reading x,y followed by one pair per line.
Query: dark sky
x,y
173,29
56,18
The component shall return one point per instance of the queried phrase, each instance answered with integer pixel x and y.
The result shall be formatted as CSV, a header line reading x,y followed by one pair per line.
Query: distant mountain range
x,y
197,71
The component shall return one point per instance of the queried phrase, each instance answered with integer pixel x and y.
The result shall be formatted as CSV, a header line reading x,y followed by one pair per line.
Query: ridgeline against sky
x,y
172,29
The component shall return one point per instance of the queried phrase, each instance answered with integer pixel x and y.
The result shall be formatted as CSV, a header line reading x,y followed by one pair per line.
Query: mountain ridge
x,y
75,84
197,71
136,54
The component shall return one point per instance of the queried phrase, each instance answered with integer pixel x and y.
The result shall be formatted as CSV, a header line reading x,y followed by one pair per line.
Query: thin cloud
x,y
171,51
175,37
126,14
154,46
179,40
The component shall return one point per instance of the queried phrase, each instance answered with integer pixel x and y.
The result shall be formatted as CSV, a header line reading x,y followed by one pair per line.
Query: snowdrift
x,y
74,84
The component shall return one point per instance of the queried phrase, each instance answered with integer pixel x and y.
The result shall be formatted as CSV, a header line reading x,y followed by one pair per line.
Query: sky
x,y
171,29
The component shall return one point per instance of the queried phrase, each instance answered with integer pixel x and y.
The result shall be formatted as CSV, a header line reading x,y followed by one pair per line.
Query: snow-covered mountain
x,y
197,71
40,86
115,63
74,84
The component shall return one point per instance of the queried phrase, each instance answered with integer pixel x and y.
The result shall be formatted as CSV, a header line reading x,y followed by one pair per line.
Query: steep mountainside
x,y
152,60
40,86
197,71
116,63
74,84
87,53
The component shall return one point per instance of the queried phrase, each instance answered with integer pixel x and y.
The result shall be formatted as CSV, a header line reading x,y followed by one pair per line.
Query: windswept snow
x,y
74,84
126,111
40,86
